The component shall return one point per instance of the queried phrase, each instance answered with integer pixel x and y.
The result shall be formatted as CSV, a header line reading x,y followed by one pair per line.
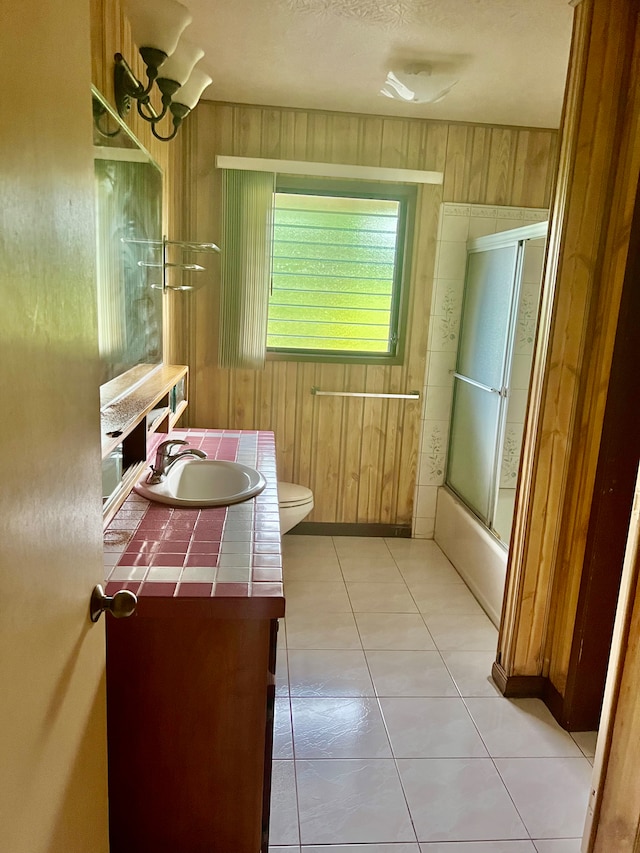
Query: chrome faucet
x,y
165,458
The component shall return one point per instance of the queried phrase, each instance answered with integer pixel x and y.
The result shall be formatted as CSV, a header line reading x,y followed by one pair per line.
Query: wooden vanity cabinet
x,y
190,698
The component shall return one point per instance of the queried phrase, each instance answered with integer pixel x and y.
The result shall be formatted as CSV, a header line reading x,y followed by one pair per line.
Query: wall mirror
x,y
128,193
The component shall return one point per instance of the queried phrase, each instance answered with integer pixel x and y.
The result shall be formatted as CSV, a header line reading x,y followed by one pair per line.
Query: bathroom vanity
x,y
191,675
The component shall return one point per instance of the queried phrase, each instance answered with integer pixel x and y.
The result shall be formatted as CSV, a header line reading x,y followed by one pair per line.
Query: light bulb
x,y
180,64
189,94
157,23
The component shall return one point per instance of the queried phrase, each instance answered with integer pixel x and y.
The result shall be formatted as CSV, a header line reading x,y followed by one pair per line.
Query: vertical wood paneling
x,y
351,444
359,456
435,146
456,164
588,248
370,143
500,166
478,176
270,143
394,142
344,138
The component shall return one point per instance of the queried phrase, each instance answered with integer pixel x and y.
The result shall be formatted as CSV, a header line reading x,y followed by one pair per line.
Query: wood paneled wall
x,y
358,456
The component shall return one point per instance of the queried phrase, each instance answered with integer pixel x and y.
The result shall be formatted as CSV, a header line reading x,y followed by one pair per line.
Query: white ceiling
x,y
510,55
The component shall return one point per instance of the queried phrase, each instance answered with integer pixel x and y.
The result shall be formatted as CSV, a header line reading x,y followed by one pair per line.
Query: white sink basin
x,y
204,482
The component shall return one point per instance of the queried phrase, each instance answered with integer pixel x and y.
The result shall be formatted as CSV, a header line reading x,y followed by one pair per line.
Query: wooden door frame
x,y
610,514
586,263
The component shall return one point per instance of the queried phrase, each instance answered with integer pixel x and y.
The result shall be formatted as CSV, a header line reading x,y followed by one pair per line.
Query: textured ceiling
x,y
510,56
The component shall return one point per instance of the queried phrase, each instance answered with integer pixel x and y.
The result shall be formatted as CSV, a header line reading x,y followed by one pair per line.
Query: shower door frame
x,y
504,239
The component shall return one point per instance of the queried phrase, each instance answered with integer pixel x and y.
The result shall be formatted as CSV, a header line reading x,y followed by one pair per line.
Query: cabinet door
x,y
189,698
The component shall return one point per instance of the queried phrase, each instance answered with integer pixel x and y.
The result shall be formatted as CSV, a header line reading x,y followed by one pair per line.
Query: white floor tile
x,y
462,633
283,827
416,571
558,845
282,633
335,673
363,848
471,672
448,599
586,741
308,546
311,568
382,569
409,673
393,631
431,728
478,847
417,549
520,728
282,734
284,849
282,673
458,799
339,728
310,630
316,596
551,794
361,547
381,598
355,801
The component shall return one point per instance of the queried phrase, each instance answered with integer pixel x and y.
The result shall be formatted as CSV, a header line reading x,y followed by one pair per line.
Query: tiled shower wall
x,y
459,223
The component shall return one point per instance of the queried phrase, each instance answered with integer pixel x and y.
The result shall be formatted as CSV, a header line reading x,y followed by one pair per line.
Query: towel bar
x,y
412,395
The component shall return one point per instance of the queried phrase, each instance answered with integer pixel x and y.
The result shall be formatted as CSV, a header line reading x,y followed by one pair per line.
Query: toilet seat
x,y
292,495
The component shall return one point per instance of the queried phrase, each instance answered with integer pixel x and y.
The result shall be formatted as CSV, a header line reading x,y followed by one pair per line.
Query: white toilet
x,y
295,503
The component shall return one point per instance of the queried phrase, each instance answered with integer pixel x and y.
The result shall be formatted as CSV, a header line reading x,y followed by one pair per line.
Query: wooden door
x,y
52,694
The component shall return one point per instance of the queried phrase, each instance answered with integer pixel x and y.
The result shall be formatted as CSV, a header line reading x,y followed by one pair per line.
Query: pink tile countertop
x,y
229,557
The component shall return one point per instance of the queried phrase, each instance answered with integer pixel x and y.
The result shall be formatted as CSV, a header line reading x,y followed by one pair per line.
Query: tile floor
x,y
390,736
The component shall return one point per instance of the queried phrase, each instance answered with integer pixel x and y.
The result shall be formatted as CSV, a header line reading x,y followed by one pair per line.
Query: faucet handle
x,y
166,446
163,459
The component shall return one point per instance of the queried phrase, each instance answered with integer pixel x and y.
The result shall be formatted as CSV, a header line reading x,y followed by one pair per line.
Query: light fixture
x,y
157,26
418,87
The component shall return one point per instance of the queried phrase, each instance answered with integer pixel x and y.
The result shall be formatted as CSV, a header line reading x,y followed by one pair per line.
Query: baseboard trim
x,y
519,686
538,687
556,704
323,528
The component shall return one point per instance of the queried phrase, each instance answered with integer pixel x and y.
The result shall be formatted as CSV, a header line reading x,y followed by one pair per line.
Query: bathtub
x,y
477,555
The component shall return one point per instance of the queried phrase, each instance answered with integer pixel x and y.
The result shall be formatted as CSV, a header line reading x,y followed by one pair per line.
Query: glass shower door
x,y
481,376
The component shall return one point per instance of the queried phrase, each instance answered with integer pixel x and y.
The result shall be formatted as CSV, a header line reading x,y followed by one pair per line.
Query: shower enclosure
x,y
491,380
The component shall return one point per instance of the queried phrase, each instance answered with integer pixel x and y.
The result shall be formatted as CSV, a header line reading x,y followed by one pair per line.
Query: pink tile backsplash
x,y
182,551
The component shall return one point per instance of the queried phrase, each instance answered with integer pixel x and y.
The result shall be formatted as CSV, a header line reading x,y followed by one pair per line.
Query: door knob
x,y
122,604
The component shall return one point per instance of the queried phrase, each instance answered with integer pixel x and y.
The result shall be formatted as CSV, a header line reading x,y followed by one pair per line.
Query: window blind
x,y
247,224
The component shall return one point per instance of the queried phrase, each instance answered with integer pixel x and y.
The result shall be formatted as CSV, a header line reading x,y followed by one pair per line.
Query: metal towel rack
x,y
412,395
163,264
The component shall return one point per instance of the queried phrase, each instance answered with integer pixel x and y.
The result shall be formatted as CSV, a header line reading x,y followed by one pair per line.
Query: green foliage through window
x,y
338,269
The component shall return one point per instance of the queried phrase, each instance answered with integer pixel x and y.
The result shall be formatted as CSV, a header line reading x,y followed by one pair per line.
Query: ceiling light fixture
x,y
157,26
418,87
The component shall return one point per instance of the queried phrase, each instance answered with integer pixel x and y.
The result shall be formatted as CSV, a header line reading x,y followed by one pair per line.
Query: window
x,y
340,258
